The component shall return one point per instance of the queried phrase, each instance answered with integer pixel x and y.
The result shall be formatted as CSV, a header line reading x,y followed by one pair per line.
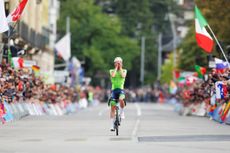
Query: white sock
x,y
121,110
112,121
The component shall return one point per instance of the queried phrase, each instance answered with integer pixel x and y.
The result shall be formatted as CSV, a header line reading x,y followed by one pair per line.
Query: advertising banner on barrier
x,y
8,116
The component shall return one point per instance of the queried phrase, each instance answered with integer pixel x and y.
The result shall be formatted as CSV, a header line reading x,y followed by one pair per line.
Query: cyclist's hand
x,y
119,66
116,67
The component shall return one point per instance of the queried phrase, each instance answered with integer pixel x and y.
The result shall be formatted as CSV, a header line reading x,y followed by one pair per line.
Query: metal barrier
x,y
16,111
220,114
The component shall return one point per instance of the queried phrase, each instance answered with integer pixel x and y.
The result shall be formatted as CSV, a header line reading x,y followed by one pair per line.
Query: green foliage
x,y
217,15
167,70
96,36
216,12
136,16
145,18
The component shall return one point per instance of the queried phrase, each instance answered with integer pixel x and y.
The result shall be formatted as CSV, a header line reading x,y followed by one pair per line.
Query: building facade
x,y
36,31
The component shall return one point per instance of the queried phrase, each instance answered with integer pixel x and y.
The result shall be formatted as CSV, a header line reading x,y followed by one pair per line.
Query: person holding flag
x,y
203,38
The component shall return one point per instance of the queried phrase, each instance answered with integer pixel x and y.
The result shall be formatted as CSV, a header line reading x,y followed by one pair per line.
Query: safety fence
x,y
219,113
16,111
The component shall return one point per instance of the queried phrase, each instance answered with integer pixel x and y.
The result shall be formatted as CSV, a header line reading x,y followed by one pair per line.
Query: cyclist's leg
x,y
112,111
113,108
112,104
122,98
122,103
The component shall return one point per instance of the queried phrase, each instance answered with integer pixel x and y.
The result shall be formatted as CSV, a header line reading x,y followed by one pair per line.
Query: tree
x,y
167,70
218,21
145,18
217,14
103,29
96,36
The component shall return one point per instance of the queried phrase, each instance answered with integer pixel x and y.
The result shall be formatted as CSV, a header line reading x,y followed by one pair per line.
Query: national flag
x,y
176,73
35,68
16,14
63,47
3,21
225,112
172,87
200,71
204,40
18,62
220,64
181,81
219,87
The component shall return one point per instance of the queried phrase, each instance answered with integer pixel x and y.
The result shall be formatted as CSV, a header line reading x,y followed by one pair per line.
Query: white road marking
x,y
138,109
134,133
137,123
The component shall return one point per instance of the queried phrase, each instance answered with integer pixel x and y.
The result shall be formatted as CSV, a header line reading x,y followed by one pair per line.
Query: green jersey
x,y
118,81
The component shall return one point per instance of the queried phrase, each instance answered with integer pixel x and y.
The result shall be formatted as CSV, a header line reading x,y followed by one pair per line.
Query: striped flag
x,y
203,38
16,14
220,64
35,68
18,62
221,90
200,71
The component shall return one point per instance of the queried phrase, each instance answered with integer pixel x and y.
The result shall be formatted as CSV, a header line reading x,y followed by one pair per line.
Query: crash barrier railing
x,y
219,113
16,111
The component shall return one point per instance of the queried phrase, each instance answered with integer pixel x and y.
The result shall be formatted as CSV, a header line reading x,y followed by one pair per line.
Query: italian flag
x,y
204,40
18,62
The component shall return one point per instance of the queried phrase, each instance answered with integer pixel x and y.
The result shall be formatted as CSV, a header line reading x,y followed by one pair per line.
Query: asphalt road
x,y
147,128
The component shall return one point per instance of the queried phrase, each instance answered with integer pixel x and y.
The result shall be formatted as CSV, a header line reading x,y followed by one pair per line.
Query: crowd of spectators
x,y
146,94
208,93
24,86
203,89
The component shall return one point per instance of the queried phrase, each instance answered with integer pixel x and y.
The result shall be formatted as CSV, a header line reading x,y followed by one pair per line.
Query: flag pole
x,y
219,45
8,48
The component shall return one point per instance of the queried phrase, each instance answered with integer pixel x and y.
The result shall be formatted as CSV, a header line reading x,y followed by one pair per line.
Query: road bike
x,y
117,121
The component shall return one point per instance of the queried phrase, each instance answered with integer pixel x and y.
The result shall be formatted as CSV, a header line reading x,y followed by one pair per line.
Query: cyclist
x,y
117,76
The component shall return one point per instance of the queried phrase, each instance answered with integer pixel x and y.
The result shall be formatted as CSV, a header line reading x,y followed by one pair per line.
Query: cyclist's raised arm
x,y
123,73
113,72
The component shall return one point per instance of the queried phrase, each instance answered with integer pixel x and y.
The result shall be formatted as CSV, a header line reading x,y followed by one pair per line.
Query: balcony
x,y
32,37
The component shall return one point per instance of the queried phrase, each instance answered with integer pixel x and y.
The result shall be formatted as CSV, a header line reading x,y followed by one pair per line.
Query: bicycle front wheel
x,y
117,121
